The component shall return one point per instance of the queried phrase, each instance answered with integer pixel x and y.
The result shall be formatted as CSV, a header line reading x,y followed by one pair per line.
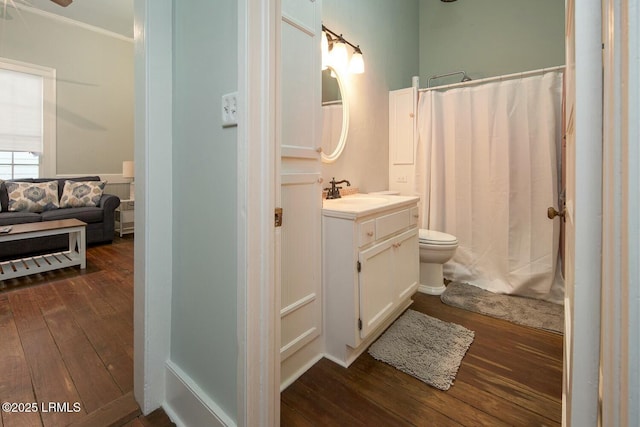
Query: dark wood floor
x,y
67,336
511,376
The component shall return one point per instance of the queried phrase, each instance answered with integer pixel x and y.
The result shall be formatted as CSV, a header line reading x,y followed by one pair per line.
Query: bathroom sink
x,y
357,205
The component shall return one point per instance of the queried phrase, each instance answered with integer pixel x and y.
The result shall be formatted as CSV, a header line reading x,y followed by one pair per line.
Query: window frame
x,y
47,165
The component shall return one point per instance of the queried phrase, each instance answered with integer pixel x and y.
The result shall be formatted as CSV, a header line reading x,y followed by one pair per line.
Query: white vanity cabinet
x,y
370,271
386,279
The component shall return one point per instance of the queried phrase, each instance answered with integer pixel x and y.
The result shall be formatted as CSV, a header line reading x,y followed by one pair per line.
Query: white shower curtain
x,y
487,171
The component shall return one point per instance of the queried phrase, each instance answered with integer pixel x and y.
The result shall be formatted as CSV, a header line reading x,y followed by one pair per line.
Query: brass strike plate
x,y
278,217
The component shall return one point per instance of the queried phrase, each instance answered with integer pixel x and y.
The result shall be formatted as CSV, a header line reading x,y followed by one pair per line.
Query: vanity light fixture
x,y
339,55
336,54
356,65
324,43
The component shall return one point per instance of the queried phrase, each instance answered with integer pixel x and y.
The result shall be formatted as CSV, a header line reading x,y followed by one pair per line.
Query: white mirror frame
x,y
332,157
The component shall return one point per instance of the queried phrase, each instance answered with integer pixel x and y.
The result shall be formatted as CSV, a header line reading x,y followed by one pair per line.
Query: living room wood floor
x,y
67,336
511,376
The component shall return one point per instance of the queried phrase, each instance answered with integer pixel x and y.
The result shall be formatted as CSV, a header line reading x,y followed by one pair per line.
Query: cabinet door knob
x,y
370,233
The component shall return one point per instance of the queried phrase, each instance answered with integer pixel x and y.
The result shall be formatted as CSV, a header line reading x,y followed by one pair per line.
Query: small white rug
x,y
424,347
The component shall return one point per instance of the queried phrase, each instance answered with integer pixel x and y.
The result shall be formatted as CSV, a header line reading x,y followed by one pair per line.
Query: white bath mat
x,y
424,347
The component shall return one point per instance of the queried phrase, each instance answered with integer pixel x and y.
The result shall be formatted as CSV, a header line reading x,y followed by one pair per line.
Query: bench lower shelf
x,y
39,264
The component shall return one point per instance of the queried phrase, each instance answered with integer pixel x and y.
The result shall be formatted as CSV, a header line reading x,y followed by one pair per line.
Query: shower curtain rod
x,y
495,78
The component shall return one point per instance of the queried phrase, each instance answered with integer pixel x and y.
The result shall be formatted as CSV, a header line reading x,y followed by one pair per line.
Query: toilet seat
x,y
431,237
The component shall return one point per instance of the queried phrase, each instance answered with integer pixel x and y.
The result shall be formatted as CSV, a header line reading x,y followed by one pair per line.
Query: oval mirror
x,y
335,115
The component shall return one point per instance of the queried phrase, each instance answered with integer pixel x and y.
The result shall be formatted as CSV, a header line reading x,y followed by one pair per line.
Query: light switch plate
x,y
230,109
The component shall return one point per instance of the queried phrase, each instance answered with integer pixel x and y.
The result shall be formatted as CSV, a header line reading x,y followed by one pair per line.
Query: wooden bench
x,y
76,255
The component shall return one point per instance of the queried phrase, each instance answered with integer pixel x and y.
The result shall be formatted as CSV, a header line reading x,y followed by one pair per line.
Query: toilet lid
x,y
436,237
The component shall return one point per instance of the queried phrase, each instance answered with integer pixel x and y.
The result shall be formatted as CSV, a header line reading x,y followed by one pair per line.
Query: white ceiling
x,y
112,15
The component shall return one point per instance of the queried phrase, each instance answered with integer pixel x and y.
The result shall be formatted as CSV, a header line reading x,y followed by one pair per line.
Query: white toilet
x,y
436,248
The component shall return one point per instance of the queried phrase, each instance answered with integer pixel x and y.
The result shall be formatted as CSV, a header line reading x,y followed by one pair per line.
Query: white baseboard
x,y
298,374
336,360
188,405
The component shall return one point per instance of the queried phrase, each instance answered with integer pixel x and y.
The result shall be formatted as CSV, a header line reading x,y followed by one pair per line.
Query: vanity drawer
x,y
414,215
391,223
366,232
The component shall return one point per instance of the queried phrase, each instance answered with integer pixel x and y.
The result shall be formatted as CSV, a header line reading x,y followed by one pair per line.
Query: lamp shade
x,y
339,56
325,51
356,65
127,169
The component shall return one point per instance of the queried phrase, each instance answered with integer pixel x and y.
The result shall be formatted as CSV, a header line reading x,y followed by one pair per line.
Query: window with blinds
x,y
25,122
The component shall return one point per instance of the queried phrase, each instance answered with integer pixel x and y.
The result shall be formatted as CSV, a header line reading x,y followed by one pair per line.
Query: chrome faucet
x,y
334,191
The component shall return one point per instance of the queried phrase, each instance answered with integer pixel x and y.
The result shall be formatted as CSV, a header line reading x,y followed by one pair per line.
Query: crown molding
x,y
69,21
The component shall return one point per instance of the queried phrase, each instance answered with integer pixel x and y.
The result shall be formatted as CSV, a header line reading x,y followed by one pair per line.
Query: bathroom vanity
x,y
370,268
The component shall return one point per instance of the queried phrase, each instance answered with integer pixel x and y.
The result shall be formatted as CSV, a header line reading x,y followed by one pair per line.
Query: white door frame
x,y
582,388
258,307
258,350
620,378
153,242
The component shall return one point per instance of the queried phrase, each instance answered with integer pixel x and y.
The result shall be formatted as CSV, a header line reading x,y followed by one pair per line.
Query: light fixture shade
x,y
339,55
356,65
128,169
324,45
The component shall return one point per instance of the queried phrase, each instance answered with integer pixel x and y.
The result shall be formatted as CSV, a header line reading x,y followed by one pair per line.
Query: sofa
x,y
99,218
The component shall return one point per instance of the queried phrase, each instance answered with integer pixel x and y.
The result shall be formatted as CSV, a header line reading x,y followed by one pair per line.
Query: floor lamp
x,y
128,173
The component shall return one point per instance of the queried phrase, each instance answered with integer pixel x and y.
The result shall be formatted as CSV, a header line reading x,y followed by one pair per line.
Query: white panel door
x,y
300,185
300,81
301,302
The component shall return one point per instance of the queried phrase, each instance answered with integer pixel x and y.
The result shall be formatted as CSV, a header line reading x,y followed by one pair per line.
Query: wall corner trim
x,y
187,404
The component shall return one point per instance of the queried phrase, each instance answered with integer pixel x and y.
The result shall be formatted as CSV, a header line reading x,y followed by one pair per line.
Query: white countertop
x,y
359,205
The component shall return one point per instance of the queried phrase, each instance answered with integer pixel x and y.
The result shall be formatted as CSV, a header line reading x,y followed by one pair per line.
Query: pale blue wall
x,y
387,32
403,38
489,37
204,304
